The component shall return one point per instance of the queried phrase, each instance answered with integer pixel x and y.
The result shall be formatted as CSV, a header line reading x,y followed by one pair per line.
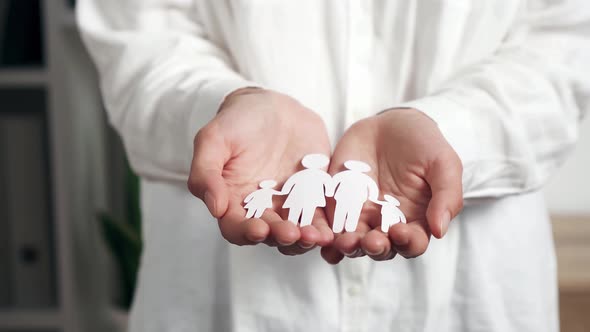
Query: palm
x,y
256,137
269,147
399,171
400,181
400,148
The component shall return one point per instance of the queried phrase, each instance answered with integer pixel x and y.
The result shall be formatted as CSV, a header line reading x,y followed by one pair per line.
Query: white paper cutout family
x,y
308,189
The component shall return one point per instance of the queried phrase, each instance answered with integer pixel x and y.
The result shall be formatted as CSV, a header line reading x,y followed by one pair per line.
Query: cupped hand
x,y
257,135
411,160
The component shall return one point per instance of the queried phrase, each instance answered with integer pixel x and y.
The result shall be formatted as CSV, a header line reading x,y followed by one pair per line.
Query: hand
x,y
257,135
410,159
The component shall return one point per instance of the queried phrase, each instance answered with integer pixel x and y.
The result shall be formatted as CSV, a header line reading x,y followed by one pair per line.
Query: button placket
x,y
360,47
354,275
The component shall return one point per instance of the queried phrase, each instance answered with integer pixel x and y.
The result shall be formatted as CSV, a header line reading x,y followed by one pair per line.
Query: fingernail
x,y
285,244
400,241
381,252
255,239
305,245
444,223
352,254
347,253
210,202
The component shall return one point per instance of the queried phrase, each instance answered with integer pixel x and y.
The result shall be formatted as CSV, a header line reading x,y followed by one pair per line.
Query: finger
x,y
331,255
205,179
321,224
377,245
309,237
349,244
240,231
282,232
445,180
294,250
409,240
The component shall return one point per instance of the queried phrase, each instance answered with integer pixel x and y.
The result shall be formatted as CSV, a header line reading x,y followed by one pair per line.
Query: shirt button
x,y
354,291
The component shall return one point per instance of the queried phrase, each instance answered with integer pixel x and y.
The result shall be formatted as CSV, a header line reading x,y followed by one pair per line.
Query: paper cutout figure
x,y
352,189
390,213
307,189
261,199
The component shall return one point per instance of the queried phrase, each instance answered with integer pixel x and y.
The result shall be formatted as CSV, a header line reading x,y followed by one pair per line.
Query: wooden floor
x,y
572,243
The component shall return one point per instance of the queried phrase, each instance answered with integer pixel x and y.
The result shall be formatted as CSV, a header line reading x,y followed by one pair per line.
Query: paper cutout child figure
x,y
354,187
306,189
390,213
261,199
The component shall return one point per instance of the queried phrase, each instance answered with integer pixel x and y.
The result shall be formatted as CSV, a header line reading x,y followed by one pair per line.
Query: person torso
x,y
350,59
494,271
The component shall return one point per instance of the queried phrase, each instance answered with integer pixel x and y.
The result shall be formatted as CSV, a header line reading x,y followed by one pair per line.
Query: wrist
x,y
407,115
230,99
404,112
395,109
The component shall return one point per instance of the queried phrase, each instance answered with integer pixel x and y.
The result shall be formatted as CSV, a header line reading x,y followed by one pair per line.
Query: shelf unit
x,y
23,78
82,160
46,320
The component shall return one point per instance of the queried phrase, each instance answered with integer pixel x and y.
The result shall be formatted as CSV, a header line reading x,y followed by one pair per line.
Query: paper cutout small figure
x,y
261,199
354,187
390,213
307,189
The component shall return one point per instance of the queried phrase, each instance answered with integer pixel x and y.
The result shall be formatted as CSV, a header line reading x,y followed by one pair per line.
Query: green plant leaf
x,y
123,237
125,245
133,200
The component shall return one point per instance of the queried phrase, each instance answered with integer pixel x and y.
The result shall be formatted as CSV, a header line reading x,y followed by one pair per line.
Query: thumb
x,y
205,179
445,179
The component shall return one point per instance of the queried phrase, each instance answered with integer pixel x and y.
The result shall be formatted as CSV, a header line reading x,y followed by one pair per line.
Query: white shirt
x,y
506,80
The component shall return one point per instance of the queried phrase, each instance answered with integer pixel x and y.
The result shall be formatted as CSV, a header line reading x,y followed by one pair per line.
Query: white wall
x,y
568,191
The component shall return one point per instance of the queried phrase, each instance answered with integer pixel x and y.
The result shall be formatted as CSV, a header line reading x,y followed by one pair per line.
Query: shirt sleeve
x,y
161,78
513,117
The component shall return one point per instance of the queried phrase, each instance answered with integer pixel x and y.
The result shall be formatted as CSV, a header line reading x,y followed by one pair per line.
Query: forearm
x,y
513,117
161,79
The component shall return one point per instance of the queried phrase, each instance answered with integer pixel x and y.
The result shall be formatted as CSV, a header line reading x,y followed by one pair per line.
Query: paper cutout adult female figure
x,y
390,213
306,189
261,199
353,189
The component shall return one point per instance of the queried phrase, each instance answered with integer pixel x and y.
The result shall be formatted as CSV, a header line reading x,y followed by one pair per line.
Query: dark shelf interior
x,y
28,330
21,34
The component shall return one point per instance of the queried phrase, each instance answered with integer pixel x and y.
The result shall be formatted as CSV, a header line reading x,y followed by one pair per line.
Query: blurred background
x,y
70,220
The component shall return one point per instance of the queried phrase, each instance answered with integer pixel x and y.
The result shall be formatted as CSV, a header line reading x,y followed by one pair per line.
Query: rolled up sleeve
x,y
514,117
161,78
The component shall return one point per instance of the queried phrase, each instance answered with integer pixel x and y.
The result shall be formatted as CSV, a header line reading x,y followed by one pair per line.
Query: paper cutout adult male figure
x,y
261,199
307,189
352,189
390,213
